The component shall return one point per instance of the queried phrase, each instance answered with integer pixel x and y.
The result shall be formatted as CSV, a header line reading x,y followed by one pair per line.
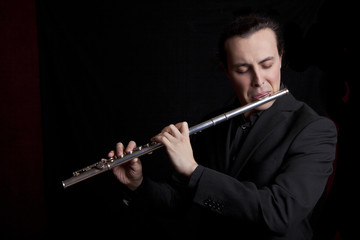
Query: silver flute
x,y
107,164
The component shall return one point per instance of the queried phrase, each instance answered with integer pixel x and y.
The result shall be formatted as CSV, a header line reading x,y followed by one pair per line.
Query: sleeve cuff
x,y
130,195
195,177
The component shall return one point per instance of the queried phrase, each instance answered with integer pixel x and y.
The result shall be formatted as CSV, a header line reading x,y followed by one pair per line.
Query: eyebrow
x,y
247,64
266,59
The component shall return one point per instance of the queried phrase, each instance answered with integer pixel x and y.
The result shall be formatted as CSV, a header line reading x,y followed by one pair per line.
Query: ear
x,y
281,56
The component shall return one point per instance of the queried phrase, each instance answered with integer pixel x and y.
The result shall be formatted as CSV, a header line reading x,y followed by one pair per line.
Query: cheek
x,y
239,81
274,79
241,85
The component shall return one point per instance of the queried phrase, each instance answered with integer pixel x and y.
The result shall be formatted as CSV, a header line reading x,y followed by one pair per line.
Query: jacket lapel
x,y
268,122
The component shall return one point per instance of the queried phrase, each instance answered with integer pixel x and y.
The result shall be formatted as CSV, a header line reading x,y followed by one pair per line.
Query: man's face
x,y
253,66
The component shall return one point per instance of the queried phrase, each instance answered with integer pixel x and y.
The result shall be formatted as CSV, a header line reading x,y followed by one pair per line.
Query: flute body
x,y
107,164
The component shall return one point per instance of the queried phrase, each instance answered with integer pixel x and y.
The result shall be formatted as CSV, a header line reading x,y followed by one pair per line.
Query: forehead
x,y
256,45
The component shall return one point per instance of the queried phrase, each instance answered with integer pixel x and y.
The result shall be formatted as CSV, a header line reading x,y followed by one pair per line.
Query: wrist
x,y
190,170
135,184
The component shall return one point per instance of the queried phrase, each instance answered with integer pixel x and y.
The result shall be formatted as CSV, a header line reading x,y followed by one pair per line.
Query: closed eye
x,y
267,65
267,62
242,69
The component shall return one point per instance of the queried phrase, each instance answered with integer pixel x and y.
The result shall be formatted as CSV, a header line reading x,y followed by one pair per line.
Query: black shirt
x,y
240,128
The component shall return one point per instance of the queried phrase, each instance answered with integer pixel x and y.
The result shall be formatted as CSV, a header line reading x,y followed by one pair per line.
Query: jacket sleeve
x,y
161,197
292,194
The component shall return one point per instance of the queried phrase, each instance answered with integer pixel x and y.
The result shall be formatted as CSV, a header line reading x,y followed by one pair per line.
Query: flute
x,y
107,164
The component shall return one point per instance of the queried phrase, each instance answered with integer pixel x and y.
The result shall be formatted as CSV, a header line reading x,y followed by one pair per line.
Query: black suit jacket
x,y
278,177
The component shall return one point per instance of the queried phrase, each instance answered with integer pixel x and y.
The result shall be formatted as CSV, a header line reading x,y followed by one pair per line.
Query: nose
x,y
257,78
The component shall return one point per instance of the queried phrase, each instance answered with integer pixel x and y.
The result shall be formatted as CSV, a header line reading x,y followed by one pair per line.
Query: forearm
x,y
162,197
283,189
270,207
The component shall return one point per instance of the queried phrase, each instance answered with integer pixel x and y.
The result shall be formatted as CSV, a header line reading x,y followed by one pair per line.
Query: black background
x,y
117,71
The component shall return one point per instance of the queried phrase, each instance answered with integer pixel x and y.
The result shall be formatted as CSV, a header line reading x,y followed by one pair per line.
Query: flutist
x,y
257,176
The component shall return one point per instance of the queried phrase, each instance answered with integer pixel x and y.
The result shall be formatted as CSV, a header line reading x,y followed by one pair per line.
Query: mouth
x,y
261,95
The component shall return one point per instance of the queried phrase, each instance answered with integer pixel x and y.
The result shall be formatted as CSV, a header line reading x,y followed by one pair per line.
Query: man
x,y
256,176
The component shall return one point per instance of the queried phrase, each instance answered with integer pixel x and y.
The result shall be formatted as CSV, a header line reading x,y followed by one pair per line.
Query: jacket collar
x,y
269,121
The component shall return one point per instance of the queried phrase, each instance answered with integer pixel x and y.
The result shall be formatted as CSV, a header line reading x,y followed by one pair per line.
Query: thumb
x,y
135,164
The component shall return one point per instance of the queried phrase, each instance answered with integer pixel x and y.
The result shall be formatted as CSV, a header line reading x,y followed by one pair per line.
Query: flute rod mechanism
x,y
107,164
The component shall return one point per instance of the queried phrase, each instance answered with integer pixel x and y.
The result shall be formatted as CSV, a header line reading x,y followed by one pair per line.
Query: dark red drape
x,y
21,170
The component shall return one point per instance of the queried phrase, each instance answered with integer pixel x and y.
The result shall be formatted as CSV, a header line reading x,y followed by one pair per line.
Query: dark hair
x,y
246,25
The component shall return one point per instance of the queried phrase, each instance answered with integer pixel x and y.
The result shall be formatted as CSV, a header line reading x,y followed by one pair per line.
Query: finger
x,y
135,163
174,131
111,154
170,136
161,138
166,133
155,138
183,128
119,149
165,129
130,146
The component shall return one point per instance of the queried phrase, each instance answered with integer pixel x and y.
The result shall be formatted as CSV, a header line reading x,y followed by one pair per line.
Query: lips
x,y
261,95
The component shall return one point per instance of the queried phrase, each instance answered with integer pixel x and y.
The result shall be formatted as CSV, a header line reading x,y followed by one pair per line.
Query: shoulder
x,y
304,118
296,109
